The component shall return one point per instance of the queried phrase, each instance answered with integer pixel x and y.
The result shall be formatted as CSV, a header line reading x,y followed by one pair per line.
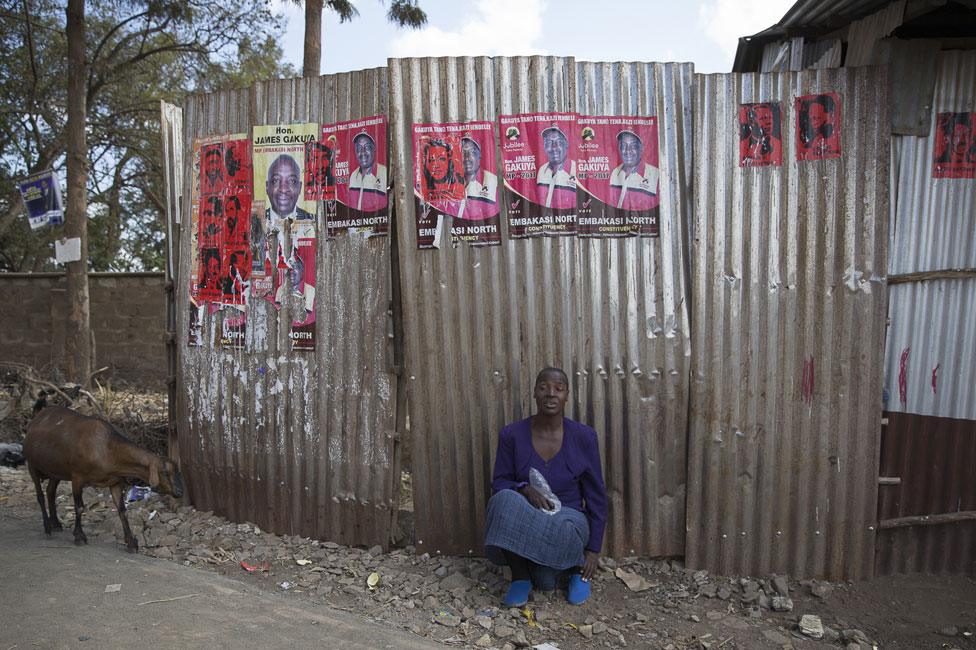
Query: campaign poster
x,y
220,221
818,127
259,241
618,177
232,328
538,157
235,274
359,167
195,324
295,282
760,135
42,197
955,146
319,177
278,157
455,176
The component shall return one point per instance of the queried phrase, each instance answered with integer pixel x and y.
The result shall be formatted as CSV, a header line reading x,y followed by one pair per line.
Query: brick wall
x,y
128,317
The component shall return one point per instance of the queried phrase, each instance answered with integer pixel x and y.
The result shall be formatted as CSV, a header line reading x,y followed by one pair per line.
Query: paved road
x,y
52,595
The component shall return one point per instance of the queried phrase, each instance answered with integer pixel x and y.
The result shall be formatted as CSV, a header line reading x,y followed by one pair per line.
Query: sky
x,y
704,32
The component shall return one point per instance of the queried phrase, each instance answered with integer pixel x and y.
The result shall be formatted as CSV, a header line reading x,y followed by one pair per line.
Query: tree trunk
x,y
78,331
313,38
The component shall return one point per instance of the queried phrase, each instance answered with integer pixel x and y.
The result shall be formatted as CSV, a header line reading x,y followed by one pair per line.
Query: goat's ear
x,y
154,474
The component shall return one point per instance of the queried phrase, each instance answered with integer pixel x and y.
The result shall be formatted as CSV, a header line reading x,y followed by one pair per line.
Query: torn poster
x,y
41,193
618,177
195,324
818,123
359,165
760,135
456,183
955,146
538,156
233,328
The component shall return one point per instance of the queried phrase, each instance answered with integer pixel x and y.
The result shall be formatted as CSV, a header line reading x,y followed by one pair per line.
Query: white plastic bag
x,y
539,482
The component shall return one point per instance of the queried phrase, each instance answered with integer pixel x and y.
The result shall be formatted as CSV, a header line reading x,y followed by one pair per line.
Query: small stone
x,y
782,604
599,627
811,626
431,603
830,634
710,590
695,618
455,581
586,631
484,641
782,585
950,630
376,550
504,631
483,621
764,602
700,577
821,590
447,619
641,618
519,640
714,616
441,571
724,593
856,636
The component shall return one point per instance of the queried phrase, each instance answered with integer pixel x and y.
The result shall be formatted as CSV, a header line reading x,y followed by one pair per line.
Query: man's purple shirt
x,y
574,473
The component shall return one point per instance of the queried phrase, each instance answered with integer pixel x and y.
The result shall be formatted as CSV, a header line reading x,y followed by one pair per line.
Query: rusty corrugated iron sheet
x,y
789,310
298,442
931,342
863,35
479,323
934,459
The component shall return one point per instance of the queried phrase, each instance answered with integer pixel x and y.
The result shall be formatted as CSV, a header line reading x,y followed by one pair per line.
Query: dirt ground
x,y
456,601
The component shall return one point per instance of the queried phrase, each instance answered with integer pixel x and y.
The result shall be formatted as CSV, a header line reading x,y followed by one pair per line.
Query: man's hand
x,y
535,498
590,564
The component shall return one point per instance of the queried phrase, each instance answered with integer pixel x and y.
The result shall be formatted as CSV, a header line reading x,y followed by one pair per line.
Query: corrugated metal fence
x,y
789,294
479,323
297,442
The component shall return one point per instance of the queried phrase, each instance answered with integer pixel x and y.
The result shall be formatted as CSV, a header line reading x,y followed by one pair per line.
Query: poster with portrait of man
x,y
359,166
618,176
235,270
539,166
955,146
238,170
760,135
818,121
278,155
232,327
456,184
294,282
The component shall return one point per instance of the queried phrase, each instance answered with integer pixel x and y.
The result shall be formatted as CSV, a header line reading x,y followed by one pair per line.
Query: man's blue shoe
x,y
518,593
579,590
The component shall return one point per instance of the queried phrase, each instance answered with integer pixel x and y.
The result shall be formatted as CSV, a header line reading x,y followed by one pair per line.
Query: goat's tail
x,y
41,401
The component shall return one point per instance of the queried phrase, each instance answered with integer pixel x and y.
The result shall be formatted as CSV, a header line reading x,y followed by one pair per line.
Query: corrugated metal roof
x,y
933,224
789,297
479,323
297,442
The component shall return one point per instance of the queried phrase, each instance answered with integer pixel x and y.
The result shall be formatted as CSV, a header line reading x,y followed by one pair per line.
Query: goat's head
x,y
164,477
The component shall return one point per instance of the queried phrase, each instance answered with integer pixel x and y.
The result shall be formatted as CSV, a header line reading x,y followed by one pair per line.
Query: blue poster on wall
x,y
42,197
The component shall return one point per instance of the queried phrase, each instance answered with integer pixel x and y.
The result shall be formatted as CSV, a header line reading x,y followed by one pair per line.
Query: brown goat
x,y
64,445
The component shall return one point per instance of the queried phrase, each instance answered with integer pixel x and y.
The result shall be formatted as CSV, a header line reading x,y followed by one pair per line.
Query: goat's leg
x,y
76,488
118,496
40,500
52,507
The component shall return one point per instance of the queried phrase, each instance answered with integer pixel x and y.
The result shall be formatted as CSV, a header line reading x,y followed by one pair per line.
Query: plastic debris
x,y
112,588
529,617
546,646
303,562
138,493
286,585
251,568
373,580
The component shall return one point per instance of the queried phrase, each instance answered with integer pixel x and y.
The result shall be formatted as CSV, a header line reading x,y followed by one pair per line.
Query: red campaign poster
x,y
818,127
538,156
618,177
319,177
955,146
235,271
455,176
295,281
222,197
360,169
760,135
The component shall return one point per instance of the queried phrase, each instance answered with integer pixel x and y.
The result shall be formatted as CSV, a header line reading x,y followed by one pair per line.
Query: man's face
x,y
763,116
818,116
551,393
470,157
284,186
959,142
211,209
212,163
437,163
555,146
630,151
213,266
365,152
232,211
